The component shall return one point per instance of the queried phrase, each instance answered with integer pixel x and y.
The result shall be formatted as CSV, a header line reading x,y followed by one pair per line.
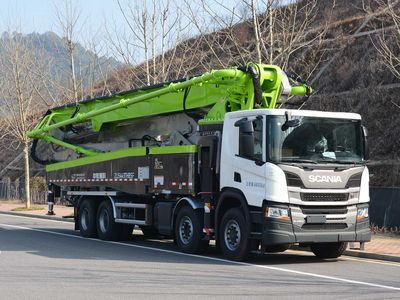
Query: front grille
x,y
324,210
324,226
325,197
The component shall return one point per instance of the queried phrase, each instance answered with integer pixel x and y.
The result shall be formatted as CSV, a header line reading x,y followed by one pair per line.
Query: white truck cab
x,y
303,171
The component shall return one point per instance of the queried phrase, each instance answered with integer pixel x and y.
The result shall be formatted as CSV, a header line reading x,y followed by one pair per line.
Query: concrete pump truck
x,y
210,158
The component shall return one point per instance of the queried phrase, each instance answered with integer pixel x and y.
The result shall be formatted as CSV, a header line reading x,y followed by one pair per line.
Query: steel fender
x,y
194,203
113,206
364,188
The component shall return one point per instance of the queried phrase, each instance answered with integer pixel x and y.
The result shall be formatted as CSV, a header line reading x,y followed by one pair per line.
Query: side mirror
x,y
365,142
289,122
246,137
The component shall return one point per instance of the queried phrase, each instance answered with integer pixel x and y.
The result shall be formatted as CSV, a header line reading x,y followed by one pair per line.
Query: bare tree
x,y
20,92
68,19
289,28
216,25
88,73
97,71
217,35
388,42
273,31
152,29
137,19
256,29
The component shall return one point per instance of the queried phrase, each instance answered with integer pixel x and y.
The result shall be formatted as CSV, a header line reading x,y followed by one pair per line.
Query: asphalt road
x,y
43,259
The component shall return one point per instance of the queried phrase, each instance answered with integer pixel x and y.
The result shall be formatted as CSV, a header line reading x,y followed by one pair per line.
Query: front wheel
x,y
234,235
328,250
188,231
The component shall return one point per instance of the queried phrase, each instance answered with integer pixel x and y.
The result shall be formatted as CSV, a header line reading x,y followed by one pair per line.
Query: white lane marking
x,y
214,259
35,218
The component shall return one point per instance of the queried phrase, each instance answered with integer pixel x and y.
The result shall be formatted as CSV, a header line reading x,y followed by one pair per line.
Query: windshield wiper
x,y
299,160
339,161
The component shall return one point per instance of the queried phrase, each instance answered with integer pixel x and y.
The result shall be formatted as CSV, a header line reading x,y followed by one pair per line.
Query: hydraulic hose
x,y
252,71
36,158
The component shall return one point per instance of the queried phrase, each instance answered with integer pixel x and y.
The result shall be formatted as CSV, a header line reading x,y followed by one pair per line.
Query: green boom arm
x,y
221,90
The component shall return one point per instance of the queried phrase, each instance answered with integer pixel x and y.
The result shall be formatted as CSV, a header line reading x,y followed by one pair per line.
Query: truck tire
x,y
87,219
328,250
189,231
234,235
107,229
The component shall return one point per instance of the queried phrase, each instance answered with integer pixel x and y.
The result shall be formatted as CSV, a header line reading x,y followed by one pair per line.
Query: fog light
x,y
362,213
277,213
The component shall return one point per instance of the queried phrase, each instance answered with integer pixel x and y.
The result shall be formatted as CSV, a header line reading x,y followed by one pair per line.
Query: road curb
x,y
371,255
358,253
13,213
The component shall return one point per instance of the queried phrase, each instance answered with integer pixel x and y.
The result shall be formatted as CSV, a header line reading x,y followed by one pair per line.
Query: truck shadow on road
x,y
67,244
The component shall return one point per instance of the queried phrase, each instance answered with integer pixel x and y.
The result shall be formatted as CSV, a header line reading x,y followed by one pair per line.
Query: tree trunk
x,y
271,31
73,75
27,176
256,30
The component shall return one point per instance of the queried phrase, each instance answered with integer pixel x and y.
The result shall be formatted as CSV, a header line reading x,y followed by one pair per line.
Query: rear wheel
x,y
189,230
234,235
328,250
107,229
87,219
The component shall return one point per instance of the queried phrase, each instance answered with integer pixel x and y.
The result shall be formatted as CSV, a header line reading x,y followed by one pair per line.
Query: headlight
x,y
277,213
362,213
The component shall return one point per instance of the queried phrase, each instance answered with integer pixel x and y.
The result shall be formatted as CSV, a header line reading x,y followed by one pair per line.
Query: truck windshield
x,y
315,140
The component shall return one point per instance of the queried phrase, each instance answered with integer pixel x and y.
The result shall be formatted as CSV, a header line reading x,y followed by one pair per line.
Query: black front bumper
x,y
279,232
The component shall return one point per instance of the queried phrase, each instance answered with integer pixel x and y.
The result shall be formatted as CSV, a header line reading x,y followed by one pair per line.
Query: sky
x,y
40,15
29,16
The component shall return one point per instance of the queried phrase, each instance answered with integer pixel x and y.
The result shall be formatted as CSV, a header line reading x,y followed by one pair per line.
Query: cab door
x,y
247,165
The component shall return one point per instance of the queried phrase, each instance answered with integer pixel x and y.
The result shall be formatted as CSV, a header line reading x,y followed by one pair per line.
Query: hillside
x,y
52,50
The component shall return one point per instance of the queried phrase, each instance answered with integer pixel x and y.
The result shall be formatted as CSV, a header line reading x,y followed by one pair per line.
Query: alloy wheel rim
x,y
104,221
186,230
232,235
85,219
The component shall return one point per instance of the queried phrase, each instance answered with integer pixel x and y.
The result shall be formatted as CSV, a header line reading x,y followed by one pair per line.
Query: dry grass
x,y
23,208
